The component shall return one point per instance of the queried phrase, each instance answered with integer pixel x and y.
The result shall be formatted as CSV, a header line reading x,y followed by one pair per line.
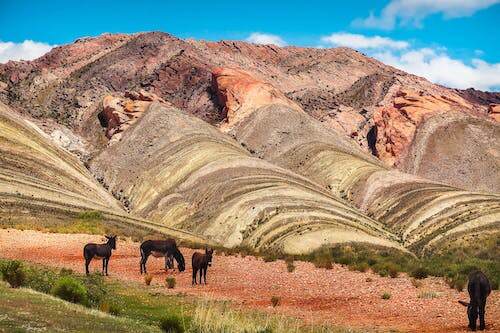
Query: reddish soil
x,y
337,296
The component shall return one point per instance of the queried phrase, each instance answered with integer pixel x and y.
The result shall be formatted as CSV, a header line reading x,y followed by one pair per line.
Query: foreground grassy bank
x,y
110,306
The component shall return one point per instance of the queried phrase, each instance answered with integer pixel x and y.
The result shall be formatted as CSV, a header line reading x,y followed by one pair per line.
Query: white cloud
x,y
358,41
260,38
26,50
438,67
412,12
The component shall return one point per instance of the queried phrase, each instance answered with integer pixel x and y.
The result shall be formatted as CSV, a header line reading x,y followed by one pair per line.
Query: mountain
x,y
274,148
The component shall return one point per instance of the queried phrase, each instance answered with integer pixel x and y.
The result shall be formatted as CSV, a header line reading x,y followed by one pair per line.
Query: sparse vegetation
x,y
386,295
170,280
454,265
90,215
428,294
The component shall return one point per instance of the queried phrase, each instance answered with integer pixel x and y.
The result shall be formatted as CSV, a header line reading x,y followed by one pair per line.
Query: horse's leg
x,y
193,280
146,256
205,275
87,262
201,272
103,266
142,259
482,324
107,262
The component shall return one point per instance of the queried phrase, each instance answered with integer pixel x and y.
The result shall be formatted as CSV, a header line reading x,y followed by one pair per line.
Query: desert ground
x,y
336,296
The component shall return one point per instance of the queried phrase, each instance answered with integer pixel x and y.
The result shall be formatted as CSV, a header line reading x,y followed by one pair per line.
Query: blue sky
x,y
452,42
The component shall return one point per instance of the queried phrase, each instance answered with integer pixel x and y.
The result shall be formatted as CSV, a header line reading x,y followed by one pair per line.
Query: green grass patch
x,y
113,306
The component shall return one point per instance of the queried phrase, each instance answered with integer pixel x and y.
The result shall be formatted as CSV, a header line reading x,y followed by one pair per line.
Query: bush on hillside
x,y
71,290
13,273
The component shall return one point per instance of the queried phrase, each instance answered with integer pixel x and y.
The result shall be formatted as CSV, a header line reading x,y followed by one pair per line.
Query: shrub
x,y
170,280
419,273
66,271
275,301
40,279
386,295
322,259
269,257
71,290
393,272
171,324
96,289
148,278
13,272
111,308
361,267
457,282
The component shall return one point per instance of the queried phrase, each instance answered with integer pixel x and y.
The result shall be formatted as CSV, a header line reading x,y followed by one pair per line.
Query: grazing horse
x,y
479,288
162,248
99,251
201,262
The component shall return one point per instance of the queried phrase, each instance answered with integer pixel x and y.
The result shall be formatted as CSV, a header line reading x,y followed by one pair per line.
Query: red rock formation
x,y
396,124
494,112
240,94
119,113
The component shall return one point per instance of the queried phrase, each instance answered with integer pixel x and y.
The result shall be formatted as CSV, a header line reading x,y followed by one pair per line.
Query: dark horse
x,y
201,262
479,288
99,251
162,248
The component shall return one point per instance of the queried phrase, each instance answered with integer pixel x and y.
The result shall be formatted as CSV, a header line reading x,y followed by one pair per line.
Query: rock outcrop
x,y
396,124
494,112
119,113
240,93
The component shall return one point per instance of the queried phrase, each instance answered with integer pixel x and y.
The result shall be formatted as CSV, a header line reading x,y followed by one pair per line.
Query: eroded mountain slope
x,y
179,171
40,180
424,213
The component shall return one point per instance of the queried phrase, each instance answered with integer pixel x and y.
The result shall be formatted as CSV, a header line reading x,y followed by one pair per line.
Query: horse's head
x,y
111,241
180,260
209,253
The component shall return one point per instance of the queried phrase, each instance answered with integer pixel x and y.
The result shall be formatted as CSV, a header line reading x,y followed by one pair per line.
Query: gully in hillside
x,y
162,248
99,251
200,262
479,288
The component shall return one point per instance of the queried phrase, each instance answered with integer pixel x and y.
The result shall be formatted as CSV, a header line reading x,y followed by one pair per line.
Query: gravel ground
x,y
337,296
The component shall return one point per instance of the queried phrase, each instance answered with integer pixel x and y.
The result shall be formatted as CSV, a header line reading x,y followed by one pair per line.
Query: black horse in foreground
x,y
479,288
99,251
201,262
162,248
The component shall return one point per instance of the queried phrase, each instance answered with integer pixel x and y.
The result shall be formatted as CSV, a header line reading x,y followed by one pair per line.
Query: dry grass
x,y
210,317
